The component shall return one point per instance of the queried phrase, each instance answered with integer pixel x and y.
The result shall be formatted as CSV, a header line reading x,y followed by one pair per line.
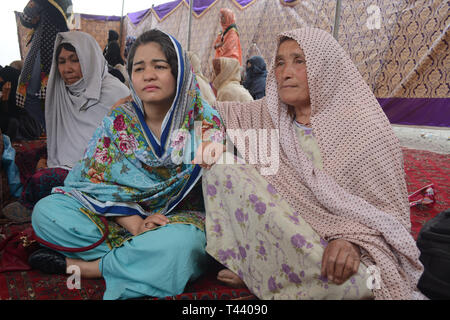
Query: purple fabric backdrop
x,y
410,111
163,9
417,111
199,6
136,17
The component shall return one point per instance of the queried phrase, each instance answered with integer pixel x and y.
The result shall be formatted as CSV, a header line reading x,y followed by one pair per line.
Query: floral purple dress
x,y
254,232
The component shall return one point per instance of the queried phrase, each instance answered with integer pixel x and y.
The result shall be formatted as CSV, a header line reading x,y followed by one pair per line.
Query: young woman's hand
x,y
136,225
131,223
153,221
340,261
208,153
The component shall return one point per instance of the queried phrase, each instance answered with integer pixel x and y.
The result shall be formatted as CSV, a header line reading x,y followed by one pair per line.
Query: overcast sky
x,y
10,46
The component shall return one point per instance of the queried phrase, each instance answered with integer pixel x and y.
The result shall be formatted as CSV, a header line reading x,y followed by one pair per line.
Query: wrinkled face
x,y
290,73
222,18
69,66
151,76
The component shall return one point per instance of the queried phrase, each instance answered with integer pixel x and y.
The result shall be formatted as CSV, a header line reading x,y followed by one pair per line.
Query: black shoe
x,y
48,261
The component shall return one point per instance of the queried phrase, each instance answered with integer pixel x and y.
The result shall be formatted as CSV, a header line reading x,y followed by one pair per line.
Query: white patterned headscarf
x,y
73,112
360,195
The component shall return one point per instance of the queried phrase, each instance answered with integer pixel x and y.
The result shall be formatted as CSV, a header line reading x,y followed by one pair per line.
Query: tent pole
x,y
121,27
191,5
337,19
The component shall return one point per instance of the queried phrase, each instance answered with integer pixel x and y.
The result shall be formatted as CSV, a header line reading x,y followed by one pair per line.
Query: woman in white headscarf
x,y
75,109
203,82
227,81
80,92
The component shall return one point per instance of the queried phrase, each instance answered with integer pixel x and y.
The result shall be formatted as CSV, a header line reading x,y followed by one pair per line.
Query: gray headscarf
x,y
73,112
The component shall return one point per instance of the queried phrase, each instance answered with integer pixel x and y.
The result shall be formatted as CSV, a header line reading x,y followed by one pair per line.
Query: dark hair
x,y
112,35
167,48
66,46
112,54
283,39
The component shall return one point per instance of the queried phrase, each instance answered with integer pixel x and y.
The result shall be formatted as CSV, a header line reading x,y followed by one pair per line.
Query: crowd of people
x,y
140,147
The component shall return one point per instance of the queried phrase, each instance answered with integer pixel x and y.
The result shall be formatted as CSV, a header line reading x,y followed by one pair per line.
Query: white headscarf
x,y
73,112
203,82
228,82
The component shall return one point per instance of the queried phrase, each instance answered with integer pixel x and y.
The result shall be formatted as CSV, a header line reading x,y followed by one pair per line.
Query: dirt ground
x,y
424,138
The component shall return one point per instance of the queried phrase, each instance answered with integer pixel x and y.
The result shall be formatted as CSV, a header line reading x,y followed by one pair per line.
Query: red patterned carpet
x,y
34,285
422,168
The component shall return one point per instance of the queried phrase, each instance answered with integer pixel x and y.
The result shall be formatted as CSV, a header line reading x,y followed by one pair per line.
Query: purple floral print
x,y
260,207
298,241
211,190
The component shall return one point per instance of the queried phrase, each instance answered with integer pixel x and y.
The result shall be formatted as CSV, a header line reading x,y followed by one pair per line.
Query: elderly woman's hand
x,y
340,261
208,154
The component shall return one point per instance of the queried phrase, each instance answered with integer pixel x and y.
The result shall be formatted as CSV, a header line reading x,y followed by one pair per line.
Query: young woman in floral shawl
x,y
137,173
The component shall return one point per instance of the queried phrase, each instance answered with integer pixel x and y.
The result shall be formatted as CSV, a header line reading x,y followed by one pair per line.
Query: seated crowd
x,y
302,211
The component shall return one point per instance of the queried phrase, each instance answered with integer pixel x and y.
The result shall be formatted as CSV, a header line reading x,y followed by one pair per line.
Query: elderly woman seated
x,y
320,210
80,92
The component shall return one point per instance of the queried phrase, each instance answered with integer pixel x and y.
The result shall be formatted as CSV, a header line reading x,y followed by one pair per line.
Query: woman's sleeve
x,y
31,14
231,45
218,39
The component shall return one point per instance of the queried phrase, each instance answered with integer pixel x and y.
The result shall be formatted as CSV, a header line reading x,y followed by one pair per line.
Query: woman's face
x,y
290,73
69,66
151,76
222,18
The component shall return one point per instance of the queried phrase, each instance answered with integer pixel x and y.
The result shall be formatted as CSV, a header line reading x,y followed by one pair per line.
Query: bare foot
x,y
230,278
